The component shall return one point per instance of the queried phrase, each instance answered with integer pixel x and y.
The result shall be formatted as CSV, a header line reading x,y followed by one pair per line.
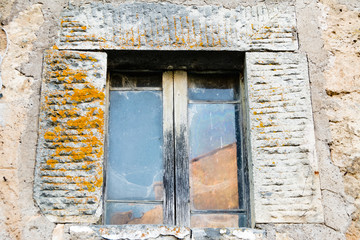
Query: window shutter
x,y
285,171
69,162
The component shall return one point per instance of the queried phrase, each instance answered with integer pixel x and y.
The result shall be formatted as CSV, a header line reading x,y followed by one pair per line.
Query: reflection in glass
x,y
135,79
135,169
214,220
213,87
213,156
124,213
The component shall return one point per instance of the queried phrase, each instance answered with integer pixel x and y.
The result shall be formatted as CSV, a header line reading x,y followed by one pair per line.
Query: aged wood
x,y
240,172
213,102
140,61
136,89
168,149
222,211
136,201
245,146
181,150
107,115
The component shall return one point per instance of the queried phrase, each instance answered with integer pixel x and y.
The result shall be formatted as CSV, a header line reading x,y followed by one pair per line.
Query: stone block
x,y
165,26
228,233
69,175
285,167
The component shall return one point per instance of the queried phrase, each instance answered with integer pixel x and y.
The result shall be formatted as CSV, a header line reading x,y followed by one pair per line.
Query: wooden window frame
x,y
176,203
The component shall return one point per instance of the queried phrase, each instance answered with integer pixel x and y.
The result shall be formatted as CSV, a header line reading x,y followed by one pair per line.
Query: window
x,y
176,151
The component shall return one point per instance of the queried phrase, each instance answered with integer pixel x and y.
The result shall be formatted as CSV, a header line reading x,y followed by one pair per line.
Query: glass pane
x,y
135,166
132,80
215,87
213,156
214,220
125,213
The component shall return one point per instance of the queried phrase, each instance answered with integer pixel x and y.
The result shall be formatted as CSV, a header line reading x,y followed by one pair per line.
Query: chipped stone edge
x,y
229,233
132,232
140,231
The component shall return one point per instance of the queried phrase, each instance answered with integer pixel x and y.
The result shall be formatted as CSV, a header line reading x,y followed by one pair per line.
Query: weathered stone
x,y
333,57
300,232
228,233
69,177
175,27
342,42
80,233
58,233
336,214
285,168
142,232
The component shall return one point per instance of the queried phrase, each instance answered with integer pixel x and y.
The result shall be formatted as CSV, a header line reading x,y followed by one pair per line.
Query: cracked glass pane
x,y
135,165
213,157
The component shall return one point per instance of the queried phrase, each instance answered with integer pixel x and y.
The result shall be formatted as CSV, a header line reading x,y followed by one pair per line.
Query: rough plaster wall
x,y
325,34
28,22
342,42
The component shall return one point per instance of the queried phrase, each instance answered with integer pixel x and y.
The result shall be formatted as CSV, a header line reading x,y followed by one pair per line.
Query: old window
x,y
176,153
280,131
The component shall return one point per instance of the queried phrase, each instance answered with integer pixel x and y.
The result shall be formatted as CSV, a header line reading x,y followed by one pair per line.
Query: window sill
x,y
118,232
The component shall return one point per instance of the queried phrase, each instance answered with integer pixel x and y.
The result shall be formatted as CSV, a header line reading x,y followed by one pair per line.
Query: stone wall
x,y
328,32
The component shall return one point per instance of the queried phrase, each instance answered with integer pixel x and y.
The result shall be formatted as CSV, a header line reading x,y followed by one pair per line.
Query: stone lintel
x,y
165,26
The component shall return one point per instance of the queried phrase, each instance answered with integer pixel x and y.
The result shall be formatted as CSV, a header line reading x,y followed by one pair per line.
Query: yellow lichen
x,y
75,136
51,162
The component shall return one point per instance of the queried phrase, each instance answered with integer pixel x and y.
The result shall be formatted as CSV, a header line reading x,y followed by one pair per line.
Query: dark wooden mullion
x,y
168,148
213,102
106,146
240,166
225,211
135,201
135,89
181,150
245,145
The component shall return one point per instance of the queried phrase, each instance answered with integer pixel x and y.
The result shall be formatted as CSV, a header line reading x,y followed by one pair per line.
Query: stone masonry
x,y
169,27
285,173
322,33
68,176
285,168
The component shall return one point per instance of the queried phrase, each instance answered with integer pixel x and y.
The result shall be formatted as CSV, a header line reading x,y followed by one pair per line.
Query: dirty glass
x,y
214,220
135,79
129,213
213,87
213,142
135,166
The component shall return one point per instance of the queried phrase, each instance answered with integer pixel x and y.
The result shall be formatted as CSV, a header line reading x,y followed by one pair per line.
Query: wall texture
x,y
328,33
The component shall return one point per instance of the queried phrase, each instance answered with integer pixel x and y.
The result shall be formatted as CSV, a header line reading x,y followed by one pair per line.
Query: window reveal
x,y
200,182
